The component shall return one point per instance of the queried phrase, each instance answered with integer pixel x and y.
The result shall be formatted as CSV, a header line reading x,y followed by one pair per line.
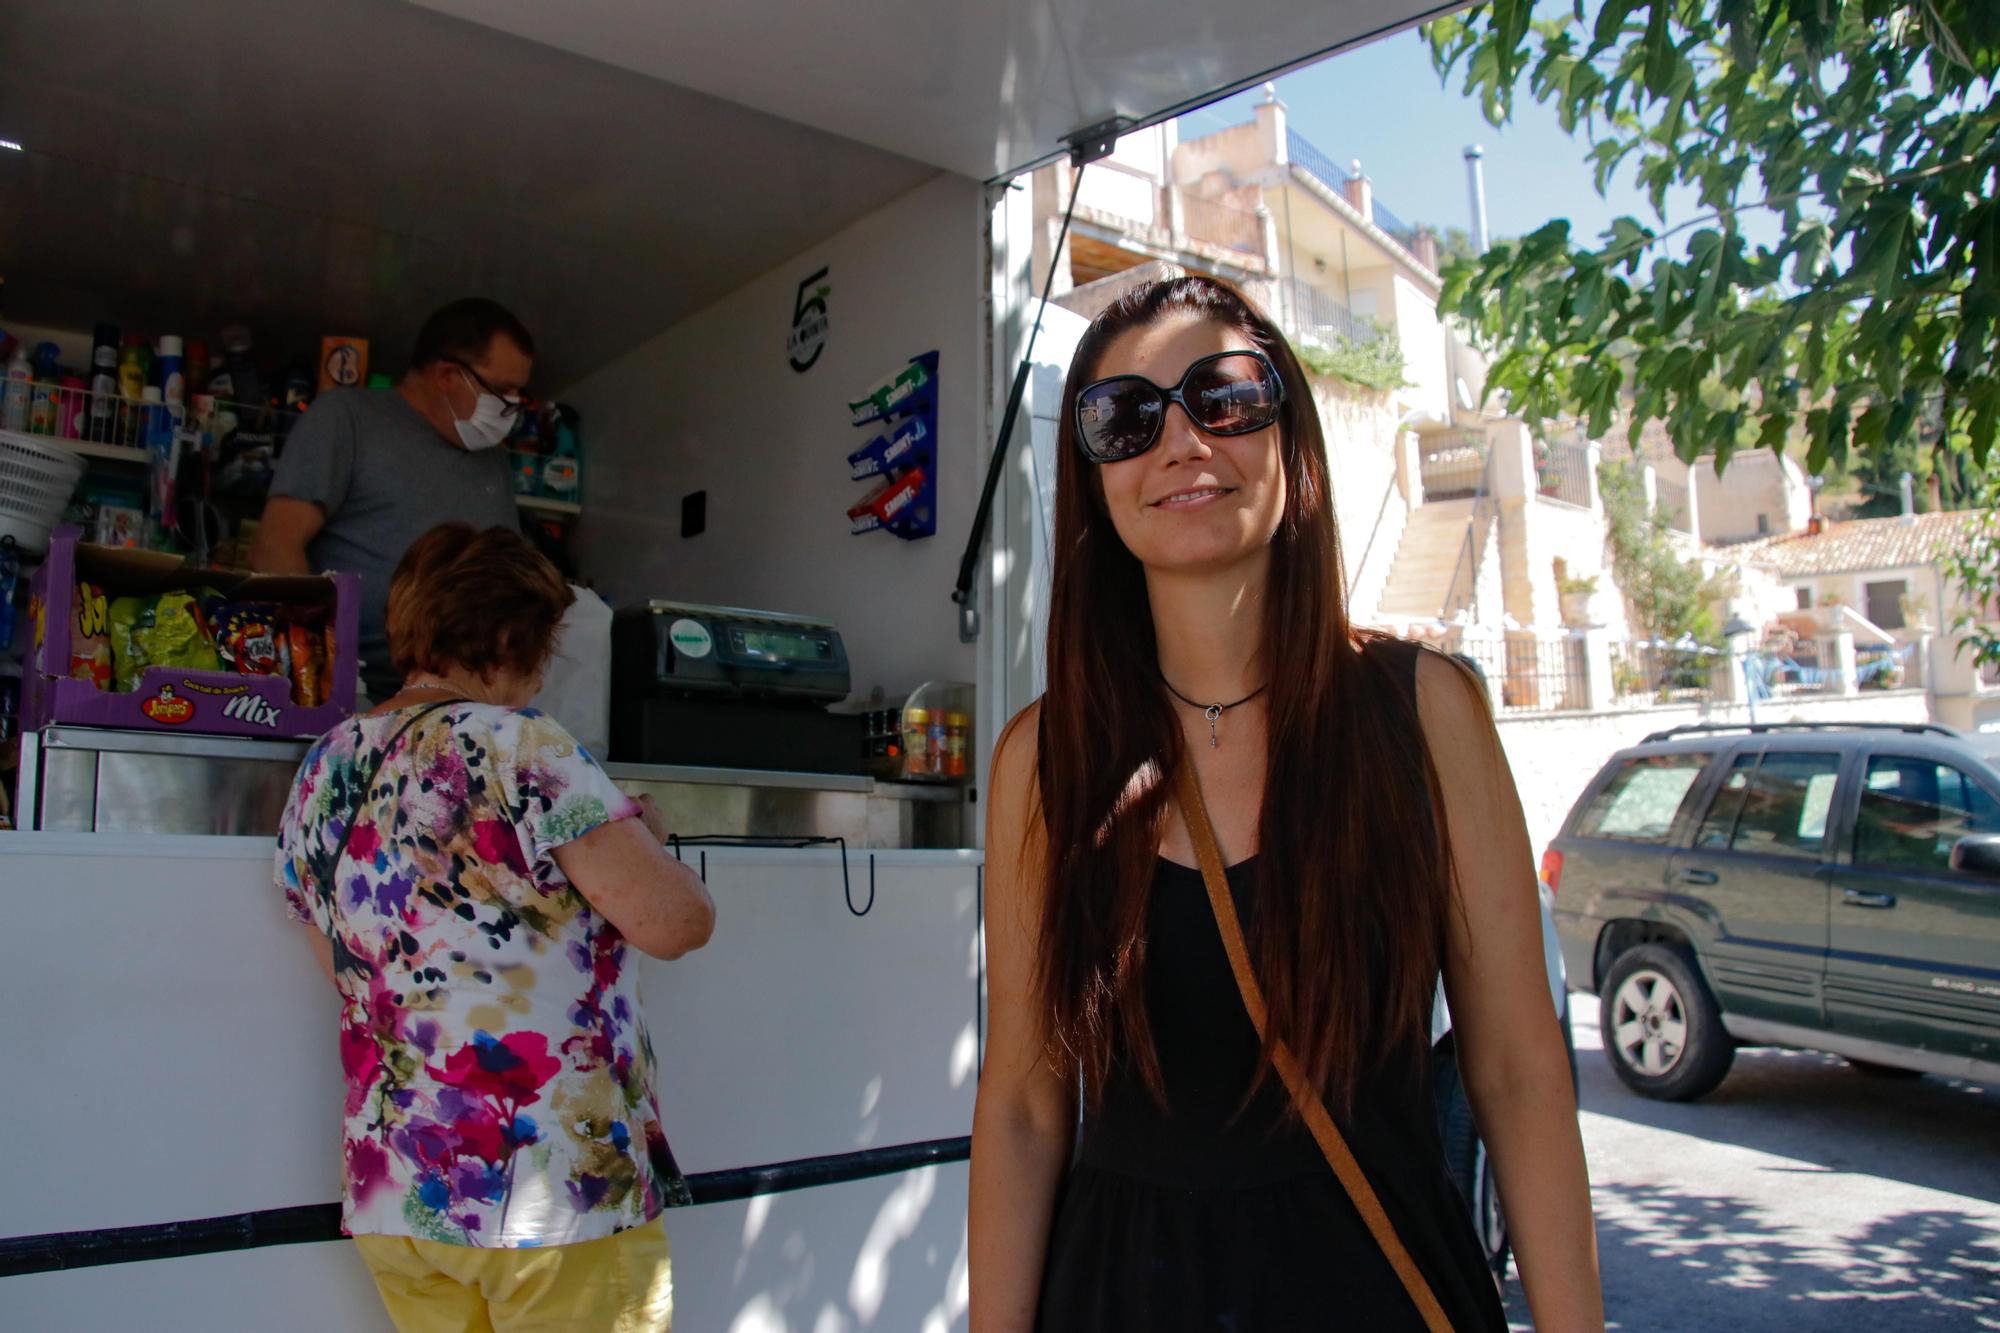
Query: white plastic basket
x,y
37,475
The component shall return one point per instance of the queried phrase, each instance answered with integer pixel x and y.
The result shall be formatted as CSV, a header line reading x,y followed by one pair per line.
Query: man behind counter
x,y
366,472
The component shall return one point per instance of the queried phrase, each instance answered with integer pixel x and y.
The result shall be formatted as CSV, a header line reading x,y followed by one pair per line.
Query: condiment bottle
x,y
940,739
916,742
957,730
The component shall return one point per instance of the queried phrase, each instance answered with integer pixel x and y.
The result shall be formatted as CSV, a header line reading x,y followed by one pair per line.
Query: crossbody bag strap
x,y
1352,1179
361,800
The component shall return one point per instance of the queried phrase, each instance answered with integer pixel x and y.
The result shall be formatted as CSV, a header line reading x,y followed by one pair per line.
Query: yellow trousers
x,y
620,1284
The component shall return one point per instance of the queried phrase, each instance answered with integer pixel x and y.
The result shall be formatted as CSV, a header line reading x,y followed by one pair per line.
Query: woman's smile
x,y
1194,497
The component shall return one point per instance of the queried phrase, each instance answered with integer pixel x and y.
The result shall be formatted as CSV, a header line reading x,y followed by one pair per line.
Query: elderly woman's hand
x,y
655,822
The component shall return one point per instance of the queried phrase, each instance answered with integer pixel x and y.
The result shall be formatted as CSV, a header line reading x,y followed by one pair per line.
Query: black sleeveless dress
x,y
1178,1220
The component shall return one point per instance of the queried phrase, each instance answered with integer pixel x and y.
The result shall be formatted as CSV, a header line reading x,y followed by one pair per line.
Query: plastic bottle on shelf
x,y
196,368
43,375
240,361
172,369
72,407
103,418
18,389
133,364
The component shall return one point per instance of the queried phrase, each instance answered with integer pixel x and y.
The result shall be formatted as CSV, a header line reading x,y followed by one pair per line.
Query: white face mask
x,y
490,422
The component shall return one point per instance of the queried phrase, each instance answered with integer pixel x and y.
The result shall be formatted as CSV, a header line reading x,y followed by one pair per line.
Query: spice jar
x,y
957,729
916,743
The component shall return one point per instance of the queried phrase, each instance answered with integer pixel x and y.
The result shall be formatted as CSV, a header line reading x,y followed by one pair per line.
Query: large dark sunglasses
x,y
1230,393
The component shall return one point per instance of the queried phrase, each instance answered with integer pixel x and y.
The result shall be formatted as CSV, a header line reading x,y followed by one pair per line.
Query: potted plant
x,y
1574,596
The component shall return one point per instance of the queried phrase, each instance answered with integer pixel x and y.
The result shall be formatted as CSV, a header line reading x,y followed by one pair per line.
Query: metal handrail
x,y
1361,566
1467,550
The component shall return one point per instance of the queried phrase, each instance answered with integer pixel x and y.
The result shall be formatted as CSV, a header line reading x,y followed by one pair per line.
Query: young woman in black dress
x,y
1136,1163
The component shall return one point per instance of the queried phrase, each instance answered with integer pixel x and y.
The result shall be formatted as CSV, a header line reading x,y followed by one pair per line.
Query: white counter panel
x,y
184,1063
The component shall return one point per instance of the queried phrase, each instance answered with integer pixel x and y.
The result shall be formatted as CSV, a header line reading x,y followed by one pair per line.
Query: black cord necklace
x,y
1213,712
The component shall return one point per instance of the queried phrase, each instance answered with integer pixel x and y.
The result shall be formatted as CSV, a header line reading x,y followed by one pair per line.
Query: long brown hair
x,y
1352,876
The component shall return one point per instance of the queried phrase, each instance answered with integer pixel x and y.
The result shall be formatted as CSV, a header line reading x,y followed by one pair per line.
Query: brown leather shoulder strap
x,y
1352,1179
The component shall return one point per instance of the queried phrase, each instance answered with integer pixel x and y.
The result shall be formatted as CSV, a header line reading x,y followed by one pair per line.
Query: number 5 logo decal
x,y
809,323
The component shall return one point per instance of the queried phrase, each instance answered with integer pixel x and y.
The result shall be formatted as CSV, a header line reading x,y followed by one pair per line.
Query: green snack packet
x,y
166,630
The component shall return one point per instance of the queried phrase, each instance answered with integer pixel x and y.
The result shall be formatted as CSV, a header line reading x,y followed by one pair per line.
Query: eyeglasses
x,y
513,402
1230,393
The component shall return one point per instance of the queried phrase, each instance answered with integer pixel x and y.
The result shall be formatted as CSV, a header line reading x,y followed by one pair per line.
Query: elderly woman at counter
x,y
471,881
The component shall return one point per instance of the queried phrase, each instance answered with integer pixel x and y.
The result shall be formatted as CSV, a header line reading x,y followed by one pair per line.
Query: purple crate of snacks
x,y
144,641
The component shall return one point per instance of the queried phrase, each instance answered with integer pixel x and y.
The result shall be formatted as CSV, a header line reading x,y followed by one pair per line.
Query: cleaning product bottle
x,y
18,389
44,374
132,369
168,365
104,383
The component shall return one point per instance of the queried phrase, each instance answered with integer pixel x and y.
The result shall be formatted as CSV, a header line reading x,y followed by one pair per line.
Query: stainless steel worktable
x,y
85,780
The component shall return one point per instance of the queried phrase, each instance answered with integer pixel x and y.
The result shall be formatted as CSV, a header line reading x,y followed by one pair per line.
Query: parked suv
x,y
1828,886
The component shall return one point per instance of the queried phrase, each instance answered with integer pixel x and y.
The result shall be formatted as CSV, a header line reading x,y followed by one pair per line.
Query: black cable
x,y
962,591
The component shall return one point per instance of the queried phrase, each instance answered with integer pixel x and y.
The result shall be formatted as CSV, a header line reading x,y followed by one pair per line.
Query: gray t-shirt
x,y
385,477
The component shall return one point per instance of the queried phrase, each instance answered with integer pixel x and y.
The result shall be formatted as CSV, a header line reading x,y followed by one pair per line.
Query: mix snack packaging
x,y
151,642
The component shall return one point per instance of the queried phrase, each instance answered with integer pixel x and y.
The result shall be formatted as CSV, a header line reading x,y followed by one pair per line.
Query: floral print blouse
x,y
499,1074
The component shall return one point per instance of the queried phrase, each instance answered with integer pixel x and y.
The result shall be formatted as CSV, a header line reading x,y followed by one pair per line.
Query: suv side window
x,y
1642,798
1786,804
1719,824
1913,810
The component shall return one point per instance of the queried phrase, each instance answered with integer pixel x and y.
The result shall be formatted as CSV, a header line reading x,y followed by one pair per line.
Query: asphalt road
x,y
1798,1196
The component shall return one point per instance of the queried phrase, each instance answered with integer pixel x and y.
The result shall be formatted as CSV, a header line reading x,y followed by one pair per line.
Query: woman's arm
x,y
1509,1047
625,873
1026,1111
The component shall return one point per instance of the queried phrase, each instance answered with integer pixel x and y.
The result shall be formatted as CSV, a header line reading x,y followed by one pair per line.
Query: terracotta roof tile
x,y
1857,545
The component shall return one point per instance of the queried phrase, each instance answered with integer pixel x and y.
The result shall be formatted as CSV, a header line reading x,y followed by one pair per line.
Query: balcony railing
x,y
1650,671
1672,505
1219,224
1453,465
1562,472
1311,315
1533,674
1300,150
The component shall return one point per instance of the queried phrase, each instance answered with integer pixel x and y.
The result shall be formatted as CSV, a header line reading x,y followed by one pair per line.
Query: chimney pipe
x,y
1475,183
1909,498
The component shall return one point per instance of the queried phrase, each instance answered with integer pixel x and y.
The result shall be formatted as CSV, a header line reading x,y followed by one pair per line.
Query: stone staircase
x,y
1421,577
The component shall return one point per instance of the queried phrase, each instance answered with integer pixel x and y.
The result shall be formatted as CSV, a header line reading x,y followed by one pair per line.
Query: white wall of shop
x,y
712,404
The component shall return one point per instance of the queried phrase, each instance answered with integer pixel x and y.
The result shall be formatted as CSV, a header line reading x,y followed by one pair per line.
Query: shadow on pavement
x,y
1675,1260
1815,1108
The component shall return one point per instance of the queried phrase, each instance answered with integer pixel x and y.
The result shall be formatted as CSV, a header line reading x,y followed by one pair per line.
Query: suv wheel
x,y
1662,1030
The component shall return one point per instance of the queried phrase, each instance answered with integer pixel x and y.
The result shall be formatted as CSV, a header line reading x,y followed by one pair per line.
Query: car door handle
x,y
1697,877
1857,898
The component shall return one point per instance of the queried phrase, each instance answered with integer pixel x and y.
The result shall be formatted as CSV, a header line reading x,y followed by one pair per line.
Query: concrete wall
x,y
1422,335
1239,151
1753,484
712,404
1360,430
1554,756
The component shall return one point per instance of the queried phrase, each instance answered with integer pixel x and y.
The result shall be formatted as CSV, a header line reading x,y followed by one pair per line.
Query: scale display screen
x,y
780,644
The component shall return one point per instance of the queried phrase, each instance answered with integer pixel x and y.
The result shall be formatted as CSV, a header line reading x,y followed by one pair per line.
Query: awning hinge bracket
x,y
1093,143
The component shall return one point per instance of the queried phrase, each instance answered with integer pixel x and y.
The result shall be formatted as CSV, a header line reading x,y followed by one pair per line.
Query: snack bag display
x,y
250,638
89,635
308,647
165,630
